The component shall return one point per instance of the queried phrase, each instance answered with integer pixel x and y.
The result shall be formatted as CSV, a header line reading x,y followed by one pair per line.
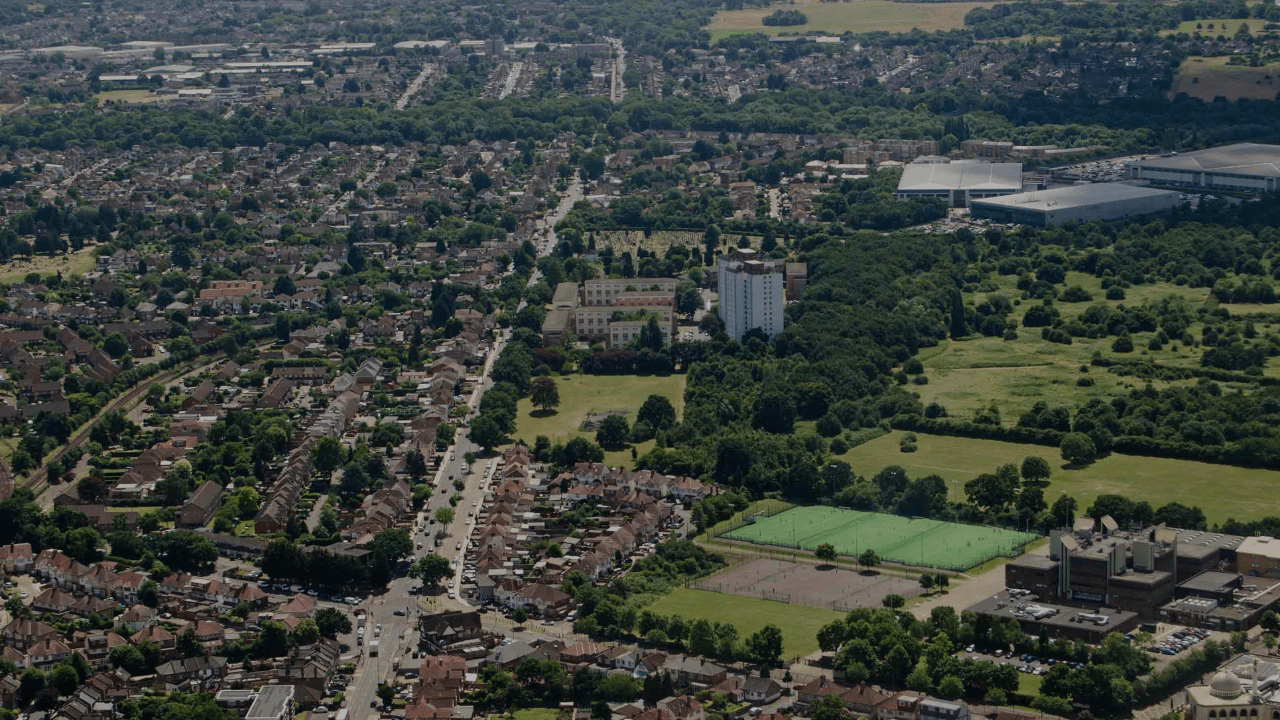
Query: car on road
x,y
458,546
398,612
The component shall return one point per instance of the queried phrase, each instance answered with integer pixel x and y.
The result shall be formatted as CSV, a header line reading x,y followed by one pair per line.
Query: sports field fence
x,y
937,544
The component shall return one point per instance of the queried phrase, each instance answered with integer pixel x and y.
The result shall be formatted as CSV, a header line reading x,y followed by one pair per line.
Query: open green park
x,y
584,394
799,623
1222,491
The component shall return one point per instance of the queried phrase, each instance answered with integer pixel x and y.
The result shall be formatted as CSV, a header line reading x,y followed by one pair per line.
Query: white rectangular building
x,y
959,182
1247,167
752,293
1079,203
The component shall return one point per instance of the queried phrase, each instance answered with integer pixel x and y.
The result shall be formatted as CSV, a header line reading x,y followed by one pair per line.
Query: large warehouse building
x,y
959,182
1245,167
1081,203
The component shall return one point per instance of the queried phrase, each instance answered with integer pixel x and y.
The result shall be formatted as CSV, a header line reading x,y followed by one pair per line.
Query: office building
x,y
1078,203
959,182
1244,167
751,293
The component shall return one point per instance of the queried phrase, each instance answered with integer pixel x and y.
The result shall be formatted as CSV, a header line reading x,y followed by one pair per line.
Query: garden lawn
x,y
1222,491
534,714
799,623
583,394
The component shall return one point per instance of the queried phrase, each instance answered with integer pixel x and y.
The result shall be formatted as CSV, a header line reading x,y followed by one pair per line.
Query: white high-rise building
x,y
752,293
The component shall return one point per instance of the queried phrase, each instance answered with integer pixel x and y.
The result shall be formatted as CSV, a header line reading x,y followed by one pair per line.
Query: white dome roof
x,y
1225,685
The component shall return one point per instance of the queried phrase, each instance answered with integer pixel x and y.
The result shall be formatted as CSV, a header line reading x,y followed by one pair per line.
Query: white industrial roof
x,y
1263,545
1073,196
1241,158
961,175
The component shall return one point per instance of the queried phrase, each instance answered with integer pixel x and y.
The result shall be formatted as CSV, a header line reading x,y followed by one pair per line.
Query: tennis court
x,y
910,541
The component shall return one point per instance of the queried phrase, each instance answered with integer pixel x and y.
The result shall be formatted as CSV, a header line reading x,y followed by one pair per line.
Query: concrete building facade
x,y
752,293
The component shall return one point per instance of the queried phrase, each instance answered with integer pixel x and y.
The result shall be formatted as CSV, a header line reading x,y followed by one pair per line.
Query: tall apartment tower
x,y
752,293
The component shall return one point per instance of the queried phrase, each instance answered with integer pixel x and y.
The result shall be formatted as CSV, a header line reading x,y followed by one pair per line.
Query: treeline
x,y
1105,22
784,18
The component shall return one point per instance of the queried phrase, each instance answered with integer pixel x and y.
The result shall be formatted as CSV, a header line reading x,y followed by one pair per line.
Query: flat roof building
x,y
1258,555
1247,167
1042,618
959,182
275,702
752,293
1078,203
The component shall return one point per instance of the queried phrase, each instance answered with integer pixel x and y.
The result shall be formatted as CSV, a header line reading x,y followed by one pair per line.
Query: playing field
x,y
918,541
799,624
861,16
1222,491
1210,77
582,394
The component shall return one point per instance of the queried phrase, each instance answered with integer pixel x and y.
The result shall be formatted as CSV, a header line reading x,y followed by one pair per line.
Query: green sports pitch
x,y
910,541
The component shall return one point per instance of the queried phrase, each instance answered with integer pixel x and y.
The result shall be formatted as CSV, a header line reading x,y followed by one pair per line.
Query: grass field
x,y
1221,491
968,375
582,394
126,96
799,623
76,263
860,16
1211,77
919,541
1216,26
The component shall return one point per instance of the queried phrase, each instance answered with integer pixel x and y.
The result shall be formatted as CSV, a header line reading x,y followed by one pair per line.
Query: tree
x,y
394,543
431,569
950,687
520,616
306,633
1035,470
825,552
1270,621
827,707
832,635
486,433
926,582
613,433
893,601
327,454
765,645
1078,449
1063,512
544,393
658,412
332,622
869,559
386,693
444,515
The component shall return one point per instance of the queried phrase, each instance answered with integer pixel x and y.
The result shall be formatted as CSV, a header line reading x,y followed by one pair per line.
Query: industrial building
x,y
1134,570
1244,167
752,293
1078,203
959,182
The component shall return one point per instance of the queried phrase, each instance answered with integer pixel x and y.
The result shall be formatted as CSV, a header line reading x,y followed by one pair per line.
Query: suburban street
x,y
396,611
